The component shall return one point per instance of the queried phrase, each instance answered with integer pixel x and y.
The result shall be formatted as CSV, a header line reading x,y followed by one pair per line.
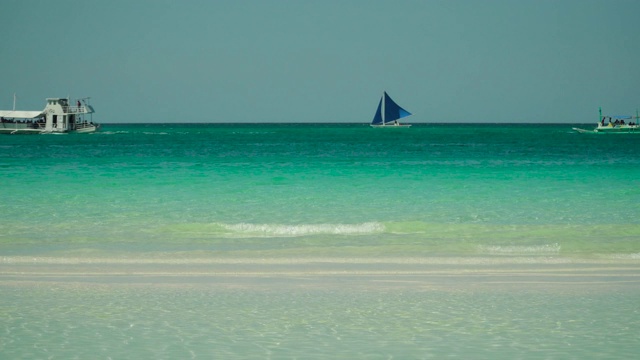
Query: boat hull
x,y
624,129
618,130
390,126
89,129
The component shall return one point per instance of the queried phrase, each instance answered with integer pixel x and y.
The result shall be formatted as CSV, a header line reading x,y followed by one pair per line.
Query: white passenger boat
x,y
58,117
620,124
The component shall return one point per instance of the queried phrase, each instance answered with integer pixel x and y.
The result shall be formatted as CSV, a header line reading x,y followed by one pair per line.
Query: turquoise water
x,y
141,322
431,188
320,241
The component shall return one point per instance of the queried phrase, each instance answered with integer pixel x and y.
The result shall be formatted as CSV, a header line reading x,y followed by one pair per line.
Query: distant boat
x,y
58,117
619,124
389,113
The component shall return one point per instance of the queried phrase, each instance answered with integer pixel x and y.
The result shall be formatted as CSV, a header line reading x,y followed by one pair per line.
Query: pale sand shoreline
x,y
330,273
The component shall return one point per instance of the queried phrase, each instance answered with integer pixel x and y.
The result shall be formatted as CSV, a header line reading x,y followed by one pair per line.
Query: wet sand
x,y
348,273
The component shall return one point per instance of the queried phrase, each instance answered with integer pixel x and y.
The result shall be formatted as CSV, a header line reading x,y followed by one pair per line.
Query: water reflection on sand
x,y
296,308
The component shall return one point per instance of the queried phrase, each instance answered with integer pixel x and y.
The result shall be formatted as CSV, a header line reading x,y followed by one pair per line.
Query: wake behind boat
x,y
389,113
58,117
620,124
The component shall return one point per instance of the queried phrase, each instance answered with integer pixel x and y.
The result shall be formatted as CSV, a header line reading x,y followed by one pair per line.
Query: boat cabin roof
x,y
62,101
17,114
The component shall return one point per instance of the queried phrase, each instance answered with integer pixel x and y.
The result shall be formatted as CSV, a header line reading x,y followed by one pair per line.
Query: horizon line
x,y
341,123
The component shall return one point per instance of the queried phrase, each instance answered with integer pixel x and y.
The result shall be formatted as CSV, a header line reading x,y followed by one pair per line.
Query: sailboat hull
x,y
390,126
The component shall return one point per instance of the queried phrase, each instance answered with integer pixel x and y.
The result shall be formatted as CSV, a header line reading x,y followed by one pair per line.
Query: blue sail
x,y
393,111
377,119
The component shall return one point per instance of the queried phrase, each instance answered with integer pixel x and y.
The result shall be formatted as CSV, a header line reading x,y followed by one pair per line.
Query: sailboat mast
x,y
14,101
384,108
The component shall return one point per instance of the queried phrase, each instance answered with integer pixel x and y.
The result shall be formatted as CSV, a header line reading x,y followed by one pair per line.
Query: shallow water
x,y
335,316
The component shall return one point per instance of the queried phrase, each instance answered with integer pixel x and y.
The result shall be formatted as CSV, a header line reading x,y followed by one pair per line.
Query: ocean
x,y
286,241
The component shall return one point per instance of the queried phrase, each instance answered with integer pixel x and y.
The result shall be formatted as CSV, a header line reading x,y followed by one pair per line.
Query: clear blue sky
x,y
324,60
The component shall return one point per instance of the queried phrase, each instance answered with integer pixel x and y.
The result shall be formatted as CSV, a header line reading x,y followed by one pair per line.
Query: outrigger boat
x,y
58,117
614,125
389,113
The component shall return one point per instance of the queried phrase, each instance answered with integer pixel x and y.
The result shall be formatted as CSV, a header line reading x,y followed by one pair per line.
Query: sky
x,y
210,61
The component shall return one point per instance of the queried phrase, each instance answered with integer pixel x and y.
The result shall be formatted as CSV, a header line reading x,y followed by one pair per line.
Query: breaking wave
x,y
548,249
245,230
303,229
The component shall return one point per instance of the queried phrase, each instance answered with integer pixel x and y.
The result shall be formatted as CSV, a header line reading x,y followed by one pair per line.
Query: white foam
x,y
547,249
304,229
634,256
110,132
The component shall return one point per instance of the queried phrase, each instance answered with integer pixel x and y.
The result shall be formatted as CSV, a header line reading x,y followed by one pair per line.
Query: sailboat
x,y
388,113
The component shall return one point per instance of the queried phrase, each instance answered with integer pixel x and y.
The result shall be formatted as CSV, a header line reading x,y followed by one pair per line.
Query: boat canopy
x,y
16,114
